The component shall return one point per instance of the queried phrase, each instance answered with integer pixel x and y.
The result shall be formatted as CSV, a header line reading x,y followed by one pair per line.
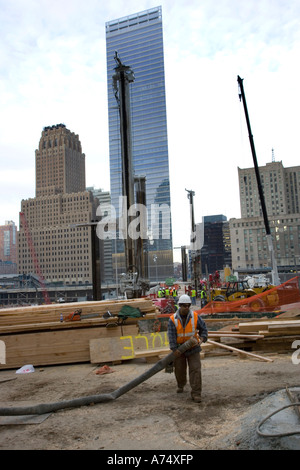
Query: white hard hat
x,y
184,299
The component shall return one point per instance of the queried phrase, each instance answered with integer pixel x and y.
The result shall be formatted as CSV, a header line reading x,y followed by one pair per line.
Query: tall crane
x,y
275,277
34,257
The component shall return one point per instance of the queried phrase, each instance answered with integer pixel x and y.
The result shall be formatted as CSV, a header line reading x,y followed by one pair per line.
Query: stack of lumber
x,y
44,317
276,335
272,328
253,335
279,335
35,335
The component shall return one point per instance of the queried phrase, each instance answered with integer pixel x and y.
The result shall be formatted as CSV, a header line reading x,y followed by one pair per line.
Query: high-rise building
x,y
216,249
59,162
59,215
8,248
138,40
281,188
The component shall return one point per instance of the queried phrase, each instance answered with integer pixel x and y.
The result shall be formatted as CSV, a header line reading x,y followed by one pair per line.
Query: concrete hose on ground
x,y
93,399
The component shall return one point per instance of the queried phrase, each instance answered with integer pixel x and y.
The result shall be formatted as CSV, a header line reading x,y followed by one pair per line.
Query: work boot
x,y
196,399
180,390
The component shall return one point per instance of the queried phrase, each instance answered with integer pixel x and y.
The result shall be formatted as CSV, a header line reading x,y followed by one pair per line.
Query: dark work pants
x,y
194,364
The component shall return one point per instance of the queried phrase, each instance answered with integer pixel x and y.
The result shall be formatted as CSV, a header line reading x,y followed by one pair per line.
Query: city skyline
x,y
54,71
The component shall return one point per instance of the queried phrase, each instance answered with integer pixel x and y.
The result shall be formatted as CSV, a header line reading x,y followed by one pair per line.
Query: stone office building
x,y
63,249
281,187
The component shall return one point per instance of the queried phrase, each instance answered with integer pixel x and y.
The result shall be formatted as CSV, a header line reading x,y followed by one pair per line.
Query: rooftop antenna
x,y
273,156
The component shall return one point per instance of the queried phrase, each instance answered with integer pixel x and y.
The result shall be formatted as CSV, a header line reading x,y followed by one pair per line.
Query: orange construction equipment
x,y
270,300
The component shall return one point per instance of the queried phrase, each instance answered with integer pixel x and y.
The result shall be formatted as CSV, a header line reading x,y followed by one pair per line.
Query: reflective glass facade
x,y
138,39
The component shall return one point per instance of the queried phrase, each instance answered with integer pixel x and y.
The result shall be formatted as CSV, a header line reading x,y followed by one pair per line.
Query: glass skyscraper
x,y
138,40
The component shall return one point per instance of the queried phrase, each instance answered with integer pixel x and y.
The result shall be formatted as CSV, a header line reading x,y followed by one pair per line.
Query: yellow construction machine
x,y
239,290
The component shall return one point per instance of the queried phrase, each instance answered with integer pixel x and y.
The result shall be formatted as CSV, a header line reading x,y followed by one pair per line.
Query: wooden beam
x,y
234,335
231,348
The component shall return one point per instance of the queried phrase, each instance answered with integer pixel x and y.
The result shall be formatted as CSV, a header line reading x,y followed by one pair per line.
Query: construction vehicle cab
x,y
234,290
239,290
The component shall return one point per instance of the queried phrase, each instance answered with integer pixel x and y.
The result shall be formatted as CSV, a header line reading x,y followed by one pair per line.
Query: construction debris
x,y
103,370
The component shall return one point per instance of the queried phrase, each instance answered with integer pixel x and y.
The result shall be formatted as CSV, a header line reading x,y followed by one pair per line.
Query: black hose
x,y
272,414
102,398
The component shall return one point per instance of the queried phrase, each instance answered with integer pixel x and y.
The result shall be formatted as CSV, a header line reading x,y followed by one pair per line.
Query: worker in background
x,y
188,290
203,297
175,294
167,292
183,325
193,295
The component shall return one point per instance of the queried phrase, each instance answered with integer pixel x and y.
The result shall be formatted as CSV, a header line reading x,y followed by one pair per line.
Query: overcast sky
x,y
53,70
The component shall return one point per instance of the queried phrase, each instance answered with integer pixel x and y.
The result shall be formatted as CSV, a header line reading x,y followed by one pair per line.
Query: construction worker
x,y
167,292
193,295
203,297
183,325
174,294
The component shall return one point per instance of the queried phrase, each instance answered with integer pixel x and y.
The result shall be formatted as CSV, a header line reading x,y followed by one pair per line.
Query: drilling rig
x,y
134,282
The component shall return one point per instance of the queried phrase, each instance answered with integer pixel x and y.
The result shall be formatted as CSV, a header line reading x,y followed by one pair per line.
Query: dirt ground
x,y
151,416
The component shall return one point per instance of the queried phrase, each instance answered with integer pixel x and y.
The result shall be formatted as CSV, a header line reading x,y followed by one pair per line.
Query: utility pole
x,y
275,277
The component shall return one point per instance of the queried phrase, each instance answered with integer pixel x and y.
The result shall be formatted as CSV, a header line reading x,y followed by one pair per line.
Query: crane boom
x,y
242,97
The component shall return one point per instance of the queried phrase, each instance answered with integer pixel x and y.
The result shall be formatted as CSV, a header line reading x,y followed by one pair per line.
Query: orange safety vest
x,y
187,332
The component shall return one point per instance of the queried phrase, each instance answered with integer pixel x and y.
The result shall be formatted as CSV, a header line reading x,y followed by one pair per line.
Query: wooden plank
x,y
271,344
291,326
251,327
106,350
231,348
152,352
114,306
234,335
274,333
56,347
126,347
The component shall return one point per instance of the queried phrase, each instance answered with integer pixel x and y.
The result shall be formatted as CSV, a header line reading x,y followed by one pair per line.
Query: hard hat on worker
x,y
184,299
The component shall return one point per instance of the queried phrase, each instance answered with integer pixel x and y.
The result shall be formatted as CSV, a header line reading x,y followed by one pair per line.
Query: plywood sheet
x,y
126,347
